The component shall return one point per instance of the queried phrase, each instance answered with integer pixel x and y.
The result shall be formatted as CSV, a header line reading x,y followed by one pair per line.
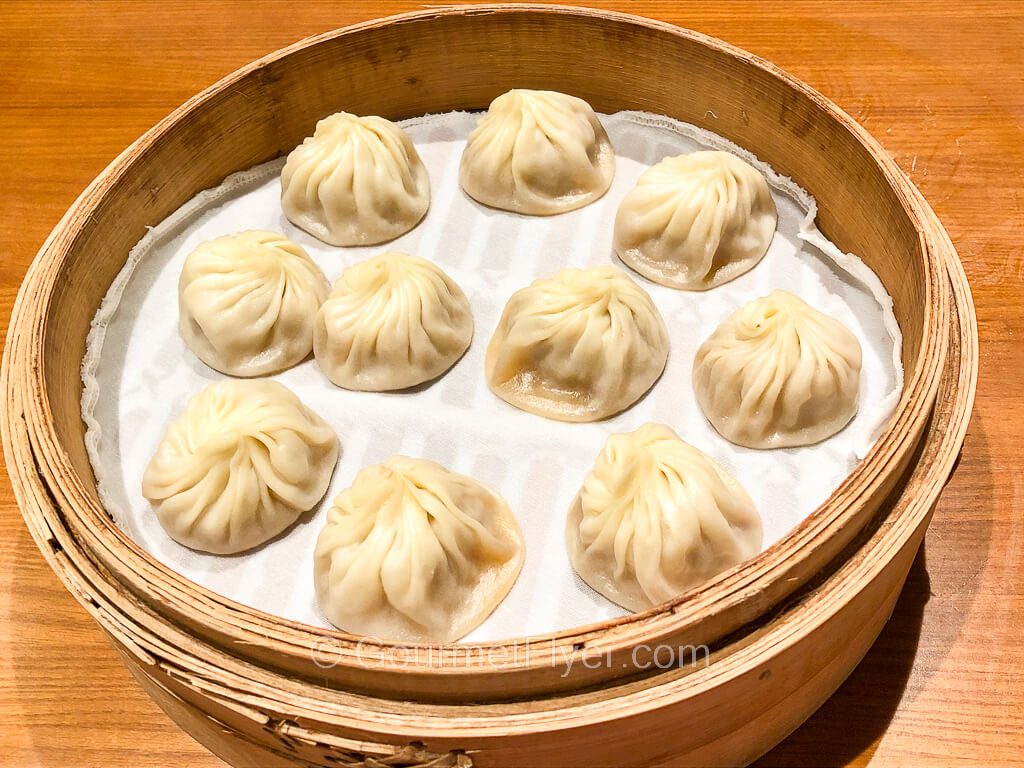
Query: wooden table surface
x,y
940,84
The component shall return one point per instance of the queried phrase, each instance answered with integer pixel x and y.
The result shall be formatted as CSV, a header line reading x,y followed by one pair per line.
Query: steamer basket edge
x,y
729,602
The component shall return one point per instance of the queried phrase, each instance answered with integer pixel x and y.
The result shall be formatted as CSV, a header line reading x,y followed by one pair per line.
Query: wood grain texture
x,y
942,90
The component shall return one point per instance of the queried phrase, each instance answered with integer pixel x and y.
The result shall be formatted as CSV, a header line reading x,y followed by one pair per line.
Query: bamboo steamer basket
x,y
783,629
758,686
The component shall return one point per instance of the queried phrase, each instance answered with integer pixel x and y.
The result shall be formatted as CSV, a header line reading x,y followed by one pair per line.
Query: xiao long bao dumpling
x,y
391,321
696,221
413,552
538,153
778,373
242,463
246,302
655,517
355,181
579,346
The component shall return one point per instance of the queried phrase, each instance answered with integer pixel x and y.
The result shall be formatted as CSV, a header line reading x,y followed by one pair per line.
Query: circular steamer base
x,y
782,630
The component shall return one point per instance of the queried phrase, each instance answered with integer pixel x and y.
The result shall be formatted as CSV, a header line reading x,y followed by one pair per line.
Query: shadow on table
x,y
854,718
852,722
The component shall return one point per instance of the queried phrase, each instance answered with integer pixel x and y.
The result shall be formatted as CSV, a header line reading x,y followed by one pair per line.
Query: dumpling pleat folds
x,y
778,373
578,346
239,465
355,181
537,153
391,322
655,517
413,552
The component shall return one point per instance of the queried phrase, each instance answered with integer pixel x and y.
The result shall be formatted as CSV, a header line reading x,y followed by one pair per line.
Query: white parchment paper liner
x,y
138,373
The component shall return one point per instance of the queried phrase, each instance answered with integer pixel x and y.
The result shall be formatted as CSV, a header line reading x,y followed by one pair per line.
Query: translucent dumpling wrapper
x,y
240,465
392,321
696,221
578,346
246,302
778,373
539,153
355,181
656,517
413,552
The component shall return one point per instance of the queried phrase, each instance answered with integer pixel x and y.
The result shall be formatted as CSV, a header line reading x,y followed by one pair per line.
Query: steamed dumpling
x,y
778,373
355,181
413,552
241,463
655,517
392,321
696,221
537,152
246,302
579,346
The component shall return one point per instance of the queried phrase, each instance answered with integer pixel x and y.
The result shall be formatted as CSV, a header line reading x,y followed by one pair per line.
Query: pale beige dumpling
x,y
240,465
246,302
578,346
355,181
656,517
391,322
538,153
696,221
413,552
778,373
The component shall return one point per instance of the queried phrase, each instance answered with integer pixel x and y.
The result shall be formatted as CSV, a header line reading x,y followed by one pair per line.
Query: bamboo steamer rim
x,y
731,599
265,698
